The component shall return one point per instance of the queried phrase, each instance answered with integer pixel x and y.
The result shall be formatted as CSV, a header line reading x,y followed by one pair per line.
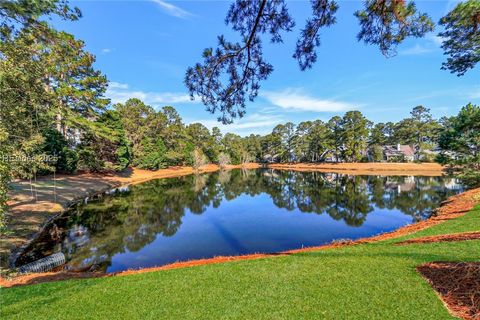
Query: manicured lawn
x,y
372,281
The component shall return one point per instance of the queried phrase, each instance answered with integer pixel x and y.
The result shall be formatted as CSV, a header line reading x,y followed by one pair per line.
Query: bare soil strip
x,y
464,236
457,284
371,168
452,208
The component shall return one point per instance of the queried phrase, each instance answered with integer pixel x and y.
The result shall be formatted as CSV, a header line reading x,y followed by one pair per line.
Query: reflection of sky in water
x,y
212,215
244,225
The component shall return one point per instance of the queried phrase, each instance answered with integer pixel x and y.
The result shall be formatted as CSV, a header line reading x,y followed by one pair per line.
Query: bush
x,y
123,156
376,153
470,178
56,145
67,161
150,155
89,161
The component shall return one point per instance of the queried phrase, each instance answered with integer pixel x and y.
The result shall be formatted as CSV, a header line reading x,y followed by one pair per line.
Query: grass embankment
x,y
372,280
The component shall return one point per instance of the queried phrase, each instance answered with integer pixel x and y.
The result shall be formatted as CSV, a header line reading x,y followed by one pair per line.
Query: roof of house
x,y
407,150
402,149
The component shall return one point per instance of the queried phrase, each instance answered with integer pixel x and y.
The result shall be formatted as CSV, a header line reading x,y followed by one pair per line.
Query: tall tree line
x,y
54,117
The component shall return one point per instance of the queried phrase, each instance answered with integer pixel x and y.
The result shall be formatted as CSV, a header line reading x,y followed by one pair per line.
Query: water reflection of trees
x,y
130,219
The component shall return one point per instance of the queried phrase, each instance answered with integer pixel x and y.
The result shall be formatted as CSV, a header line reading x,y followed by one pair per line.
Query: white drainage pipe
x,y
44,264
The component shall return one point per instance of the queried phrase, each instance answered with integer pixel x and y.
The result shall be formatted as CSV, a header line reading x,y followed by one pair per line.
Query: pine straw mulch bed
x,y
458,285
463,236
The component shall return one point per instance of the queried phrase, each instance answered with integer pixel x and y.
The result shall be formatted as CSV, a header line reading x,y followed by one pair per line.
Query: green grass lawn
x,y
370,281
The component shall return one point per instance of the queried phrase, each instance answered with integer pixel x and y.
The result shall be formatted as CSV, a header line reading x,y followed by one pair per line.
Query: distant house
x,y
398,153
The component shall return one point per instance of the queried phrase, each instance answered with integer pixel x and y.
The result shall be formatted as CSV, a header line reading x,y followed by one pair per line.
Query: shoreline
x,y
452,208
30,210
29,213
369,168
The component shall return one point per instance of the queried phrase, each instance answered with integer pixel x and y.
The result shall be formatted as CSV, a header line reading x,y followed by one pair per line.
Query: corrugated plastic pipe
x,y
44,264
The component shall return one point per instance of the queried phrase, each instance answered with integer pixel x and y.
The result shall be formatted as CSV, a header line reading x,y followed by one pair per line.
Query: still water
x,y
232,213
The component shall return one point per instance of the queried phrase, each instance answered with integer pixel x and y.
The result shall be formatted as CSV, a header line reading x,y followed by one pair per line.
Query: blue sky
x,y
144,48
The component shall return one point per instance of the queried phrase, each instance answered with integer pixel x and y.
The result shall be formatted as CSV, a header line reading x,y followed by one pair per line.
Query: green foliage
x,y
334,126
382,134
462,133
388,23
56,145
114,144
397,159
354,135
4,177
106,139
460,142
187,155
470,176
26,14
235,147
67,161
200,137
46,78
461,37
150,154
420,130
283,142
377,153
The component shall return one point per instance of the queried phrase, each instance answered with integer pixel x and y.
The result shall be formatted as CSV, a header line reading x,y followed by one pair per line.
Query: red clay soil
x,y
370,168
457,284
452,208
464,236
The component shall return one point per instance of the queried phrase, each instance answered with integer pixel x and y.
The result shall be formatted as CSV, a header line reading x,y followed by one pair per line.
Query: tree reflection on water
x,y
128,219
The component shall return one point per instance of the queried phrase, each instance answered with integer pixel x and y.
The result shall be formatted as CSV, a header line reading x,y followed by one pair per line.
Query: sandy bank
x,y
371,168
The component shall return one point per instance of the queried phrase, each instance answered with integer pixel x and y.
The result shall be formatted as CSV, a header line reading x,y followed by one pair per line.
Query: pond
x,y
233,213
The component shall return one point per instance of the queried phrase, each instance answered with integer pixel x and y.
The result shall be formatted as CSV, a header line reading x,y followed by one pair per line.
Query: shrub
x,y
89,161
150,155
56,145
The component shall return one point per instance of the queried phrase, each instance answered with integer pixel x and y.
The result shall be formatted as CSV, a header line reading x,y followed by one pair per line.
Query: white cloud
x,y
435,39
172,10
416,50
430,43
297,100
116,85
106,50
120,92
475,93
255,123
